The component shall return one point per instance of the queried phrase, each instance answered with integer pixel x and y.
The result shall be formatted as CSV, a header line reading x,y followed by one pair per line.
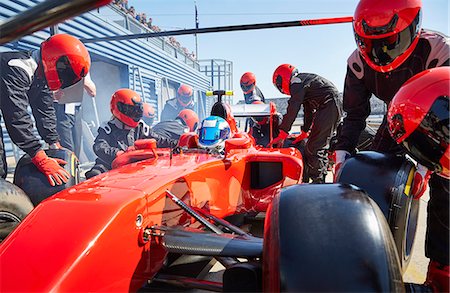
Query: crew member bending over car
x,y
186,121
260,127
119,134
419,119
26,78
182,101
391,48
248,86
149,114
321,116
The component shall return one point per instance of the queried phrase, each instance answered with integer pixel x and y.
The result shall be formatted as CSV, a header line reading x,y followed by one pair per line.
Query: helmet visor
x,y
66,75
246,88
429,141
135,111
185,98
383,51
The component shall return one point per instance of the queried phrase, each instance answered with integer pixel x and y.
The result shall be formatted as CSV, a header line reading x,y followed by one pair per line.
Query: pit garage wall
x,y
113,61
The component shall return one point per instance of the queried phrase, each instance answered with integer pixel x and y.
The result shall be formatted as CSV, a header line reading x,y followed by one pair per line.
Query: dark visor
x,y
279,83
185,98
135,111
247,87
429,141
65,72
384,51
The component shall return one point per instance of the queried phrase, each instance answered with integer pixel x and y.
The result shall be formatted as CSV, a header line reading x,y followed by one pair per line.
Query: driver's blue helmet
x,y
213,132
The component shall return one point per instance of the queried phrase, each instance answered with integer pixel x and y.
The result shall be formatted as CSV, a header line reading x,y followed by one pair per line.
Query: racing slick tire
x,y
328,237
387,179
14,206
35,184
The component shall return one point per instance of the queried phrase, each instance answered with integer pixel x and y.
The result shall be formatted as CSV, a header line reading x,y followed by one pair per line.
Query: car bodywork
x,y
90,237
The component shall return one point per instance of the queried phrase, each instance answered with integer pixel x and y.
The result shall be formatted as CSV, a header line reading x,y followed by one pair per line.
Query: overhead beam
x,y
43,15
230,28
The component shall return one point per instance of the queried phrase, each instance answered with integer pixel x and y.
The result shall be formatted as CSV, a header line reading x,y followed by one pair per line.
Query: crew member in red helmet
x,y
186,121
27,78
249,88
125,127
391,48
149,114
419,119
183,100
320,99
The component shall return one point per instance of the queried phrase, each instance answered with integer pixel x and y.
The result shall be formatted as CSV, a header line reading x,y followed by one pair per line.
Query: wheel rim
x,y
7,217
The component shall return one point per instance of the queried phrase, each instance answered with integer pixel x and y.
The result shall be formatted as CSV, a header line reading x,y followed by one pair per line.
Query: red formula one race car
x,y
164,216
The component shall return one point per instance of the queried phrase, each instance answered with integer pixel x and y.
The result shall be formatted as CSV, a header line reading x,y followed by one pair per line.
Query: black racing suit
x,y
172,129
261,130
361,82
321,116
172,108
255,92
22,83
114,137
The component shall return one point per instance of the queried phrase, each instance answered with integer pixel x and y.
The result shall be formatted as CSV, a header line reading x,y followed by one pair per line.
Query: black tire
x,y
14,206
328,237
35,184
387,180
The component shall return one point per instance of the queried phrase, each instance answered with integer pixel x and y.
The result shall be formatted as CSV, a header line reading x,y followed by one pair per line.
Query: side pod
x,y
328,237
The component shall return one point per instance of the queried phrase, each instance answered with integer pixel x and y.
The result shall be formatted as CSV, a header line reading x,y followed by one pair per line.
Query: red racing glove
x,y
301,137
420,181
279,140
51,168
339,157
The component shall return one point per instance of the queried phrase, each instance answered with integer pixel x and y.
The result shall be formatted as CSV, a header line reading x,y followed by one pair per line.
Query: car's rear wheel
x,y
328,237
14,206
35,184
387,179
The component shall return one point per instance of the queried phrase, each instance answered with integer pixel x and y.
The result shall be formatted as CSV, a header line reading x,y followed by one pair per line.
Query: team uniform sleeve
x,y
294,105
41,102
102,147
161,141
15,84
356,104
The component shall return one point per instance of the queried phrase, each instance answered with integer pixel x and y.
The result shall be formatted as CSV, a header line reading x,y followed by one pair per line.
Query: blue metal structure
x,y
162,66
152,67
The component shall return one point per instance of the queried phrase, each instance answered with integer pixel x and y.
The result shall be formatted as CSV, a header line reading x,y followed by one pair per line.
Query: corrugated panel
x,y
144,53
149,55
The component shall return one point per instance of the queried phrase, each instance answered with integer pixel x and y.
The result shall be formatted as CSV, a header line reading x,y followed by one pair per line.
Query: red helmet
x,y
184,95
65,59
189,118
149,114
248,82
126,105
387,31
418,118
282,77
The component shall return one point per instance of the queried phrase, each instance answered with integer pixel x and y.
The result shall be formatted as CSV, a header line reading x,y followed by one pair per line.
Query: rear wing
x,y
256,110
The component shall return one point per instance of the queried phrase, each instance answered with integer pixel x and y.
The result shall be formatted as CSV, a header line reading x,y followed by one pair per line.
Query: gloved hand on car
x,y
339,157
51,168
279,140
300,137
